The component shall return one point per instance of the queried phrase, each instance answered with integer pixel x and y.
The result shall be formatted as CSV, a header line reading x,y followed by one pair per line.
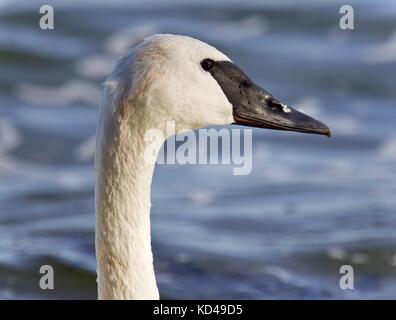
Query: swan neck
x,y
123,236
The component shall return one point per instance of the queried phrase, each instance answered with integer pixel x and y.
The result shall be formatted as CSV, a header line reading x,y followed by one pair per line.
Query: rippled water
x,y
310,205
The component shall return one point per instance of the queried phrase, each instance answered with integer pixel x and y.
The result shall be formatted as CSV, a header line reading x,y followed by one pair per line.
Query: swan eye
x,y
207,64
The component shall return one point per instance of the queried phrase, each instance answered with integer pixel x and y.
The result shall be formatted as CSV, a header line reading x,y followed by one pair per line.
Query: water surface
x,y
310,205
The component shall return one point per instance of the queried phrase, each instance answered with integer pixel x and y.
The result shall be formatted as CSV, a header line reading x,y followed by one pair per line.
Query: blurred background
x,y
310,205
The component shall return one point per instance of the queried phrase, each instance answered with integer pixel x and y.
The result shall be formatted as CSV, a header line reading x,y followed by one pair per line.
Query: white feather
x,y
158,81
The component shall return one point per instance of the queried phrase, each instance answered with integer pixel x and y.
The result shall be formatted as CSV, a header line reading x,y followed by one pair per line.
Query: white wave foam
x,y
123,40
387,150
238,30
72,180
309,105
4,3
95,66
9,136
382,53
86,150
201,197
72,91
261,153
359,258
339,124
340,168
393,261
336,253
343,125
22,172
279,273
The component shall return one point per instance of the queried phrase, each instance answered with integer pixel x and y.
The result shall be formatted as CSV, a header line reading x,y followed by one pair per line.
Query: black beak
x,y
255,107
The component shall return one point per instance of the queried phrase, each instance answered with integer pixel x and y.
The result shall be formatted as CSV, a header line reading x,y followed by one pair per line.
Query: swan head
x,y
184,80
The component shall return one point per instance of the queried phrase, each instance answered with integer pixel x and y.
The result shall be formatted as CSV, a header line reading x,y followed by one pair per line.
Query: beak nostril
x,y
278,105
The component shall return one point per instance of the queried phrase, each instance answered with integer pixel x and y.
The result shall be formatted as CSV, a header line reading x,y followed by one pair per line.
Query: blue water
x,y
310,205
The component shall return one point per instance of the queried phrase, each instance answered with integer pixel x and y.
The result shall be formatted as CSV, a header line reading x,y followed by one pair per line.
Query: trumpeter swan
x,y
165,78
